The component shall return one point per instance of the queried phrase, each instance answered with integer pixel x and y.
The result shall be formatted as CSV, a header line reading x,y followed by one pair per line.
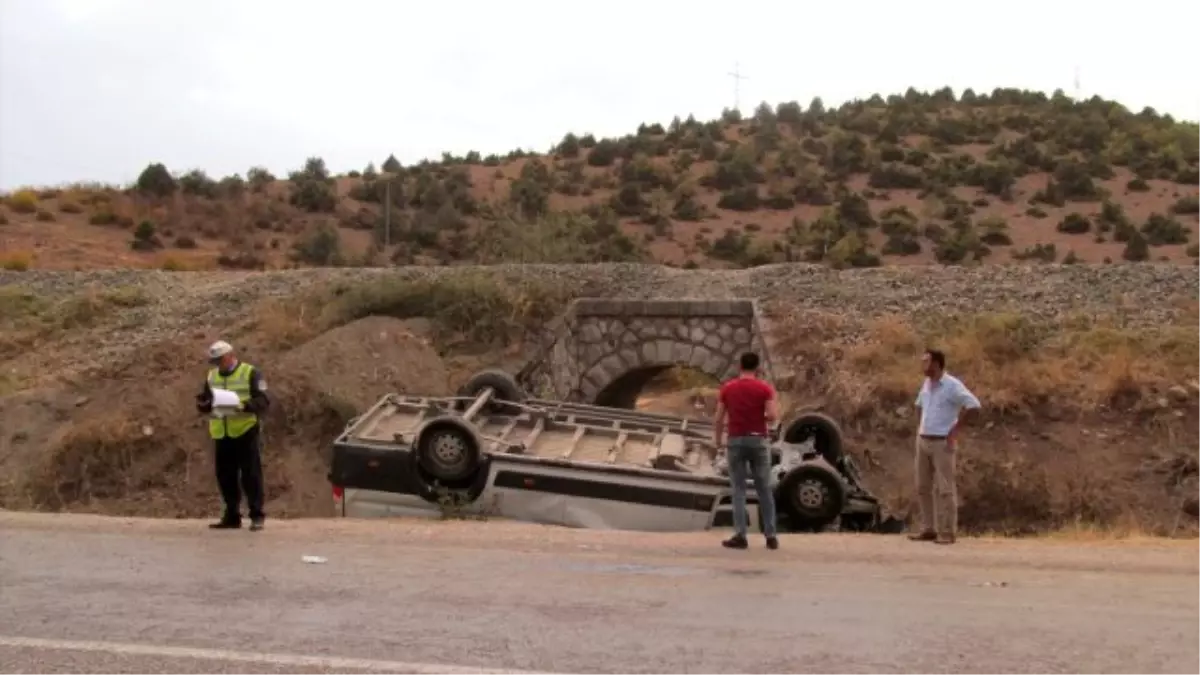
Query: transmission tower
x,y
737,85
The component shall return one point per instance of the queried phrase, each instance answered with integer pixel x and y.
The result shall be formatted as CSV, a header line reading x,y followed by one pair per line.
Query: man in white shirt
x,y
941,400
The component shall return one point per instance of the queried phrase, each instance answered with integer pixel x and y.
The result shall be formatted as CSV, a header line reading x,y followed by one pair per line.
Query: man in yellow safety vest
x,y
234,428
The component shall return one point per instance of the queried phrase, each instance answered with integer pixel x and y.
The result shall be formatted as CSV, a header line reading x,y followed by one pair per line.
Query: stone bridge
x,y
605,351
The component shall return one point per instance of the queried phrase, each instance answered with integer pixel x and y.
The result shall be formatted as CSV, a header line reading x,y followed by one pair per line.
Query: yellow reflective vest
x,y
234,424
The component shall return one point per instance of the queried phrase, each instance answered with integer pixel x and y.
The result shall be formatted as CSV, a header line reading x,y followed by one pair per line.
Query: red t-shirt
x,y
745,400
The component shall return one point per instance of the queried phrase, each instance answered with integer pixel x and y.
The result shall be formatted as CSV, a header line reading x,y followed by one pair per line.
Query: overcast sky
x,y
96,89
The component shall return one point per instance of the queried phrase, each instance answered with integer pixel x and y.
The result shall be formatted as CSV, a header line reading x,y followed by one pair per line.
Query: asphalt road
x,y
88,594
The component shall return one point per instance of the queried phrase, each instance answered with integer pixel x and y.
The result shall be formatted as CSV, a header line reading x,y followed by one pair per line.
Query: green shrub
x,y
740,199
603,154
320,246
1160,230
23,201
1187,204
145,237
156,181
1038,252
1074,223
196,182
1136,248
994,231
1137,185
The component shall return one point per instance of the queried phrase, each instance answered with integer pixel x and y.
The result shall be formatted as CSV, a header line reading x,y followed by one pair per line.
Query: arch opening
x,y
669,389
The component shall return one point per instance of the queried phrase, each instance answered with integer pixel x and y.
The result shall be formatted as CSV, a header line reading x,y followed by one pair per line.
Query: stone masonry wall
x,y
600,341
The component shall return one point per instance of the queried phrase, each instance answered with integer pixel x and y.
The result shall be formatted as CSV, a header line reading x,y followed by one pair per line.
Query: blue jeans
x,y
750,456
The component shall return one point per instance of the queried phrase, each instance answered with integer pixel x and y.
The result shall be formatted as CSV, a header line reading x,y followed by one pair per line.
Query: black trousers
x,y
239,469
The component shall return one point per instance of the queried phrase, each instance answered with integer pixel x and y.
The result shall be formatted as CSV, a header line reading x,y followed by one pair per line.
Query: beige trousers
x,y
935,486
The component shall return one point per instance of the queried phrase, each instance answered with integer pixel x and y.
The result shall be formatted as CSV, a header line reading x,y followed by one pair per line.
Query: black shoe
x,y
772,543
923,536
256,525
736,541
226,525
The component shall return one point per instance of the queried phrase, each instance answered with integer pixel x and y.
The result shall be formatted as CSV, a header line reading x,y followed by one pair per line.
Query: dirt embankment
x,y
1089,373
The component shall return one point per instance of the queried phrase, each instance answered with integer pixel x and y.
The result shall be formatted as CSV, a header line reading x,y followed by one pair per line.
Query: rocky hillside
x,y
914,178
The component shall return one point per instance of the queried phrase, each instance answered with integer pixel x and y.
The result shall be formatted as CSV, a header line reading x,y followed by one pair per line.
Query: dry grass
x,y
26,318
476,309
16,261
22,201
1088,425
1027,368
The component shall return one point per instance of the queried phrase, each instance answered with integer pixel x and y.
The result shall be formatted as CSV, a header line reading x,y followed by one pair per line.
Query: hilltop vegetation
x,y
915,178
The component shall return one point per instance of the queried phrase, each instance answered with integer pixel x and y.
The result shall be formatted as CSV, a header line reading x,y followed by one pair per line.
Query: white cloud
x,y
95,89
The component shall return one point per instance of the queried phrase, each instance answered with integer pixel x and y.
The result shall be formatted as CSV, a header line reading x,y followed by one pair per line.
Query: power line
x,y
737,85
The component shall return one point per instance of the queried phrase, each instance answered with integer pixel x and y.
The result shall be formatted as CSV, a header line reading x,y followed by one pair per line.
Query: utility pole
x,y
737,85
1078,89
387,213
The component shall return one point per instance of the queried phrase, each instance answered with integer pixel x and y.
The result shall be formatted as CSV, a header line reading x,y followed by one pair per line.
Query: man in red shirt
x,y
749,404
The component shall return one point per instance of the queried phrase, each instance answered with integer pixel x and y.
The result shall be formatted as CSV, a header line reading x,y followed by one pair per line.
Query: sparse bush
x,y
1137,185
687,208
901,244
156,181
196,182
232,186
994,231
320,246
104,217
1160,230
811,189
740,199
1070,258
185,241
896,176
1038,252
44,216
16,261
259,178
23,201
1074,223
1188,204
69,207
852,250
995,178
1193,250
312,187
1136,248
603,154
145,237
1036,212
477,308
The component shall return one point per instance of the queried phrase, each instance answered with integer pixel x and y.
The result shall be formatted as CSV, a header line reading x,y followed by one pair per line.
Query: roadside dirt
x,y
150,455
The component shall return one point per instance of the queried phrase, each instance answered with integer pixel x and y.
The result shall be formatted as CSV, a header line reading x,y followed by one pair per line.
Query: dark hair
x,y
749,361
938,357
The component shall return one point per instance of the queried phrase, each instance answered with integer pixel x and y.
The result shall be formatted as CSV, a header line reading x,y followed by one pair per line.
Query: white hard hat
x,y
218,349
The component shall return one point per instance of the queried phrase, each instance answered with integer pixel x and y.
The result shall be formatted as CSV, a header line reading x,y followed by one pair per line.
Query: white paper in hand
x,y
224,402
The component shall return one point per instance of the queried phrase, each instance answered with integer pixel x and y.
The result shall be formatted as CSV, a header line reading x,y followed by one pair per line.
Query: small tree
x,y
156,181
391,165
259,178
145,237
1136,248
322,246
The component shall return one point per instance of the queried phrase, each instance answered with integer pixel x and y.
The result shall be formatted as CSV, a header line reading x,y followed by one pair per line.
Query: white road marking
x,y
339,663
